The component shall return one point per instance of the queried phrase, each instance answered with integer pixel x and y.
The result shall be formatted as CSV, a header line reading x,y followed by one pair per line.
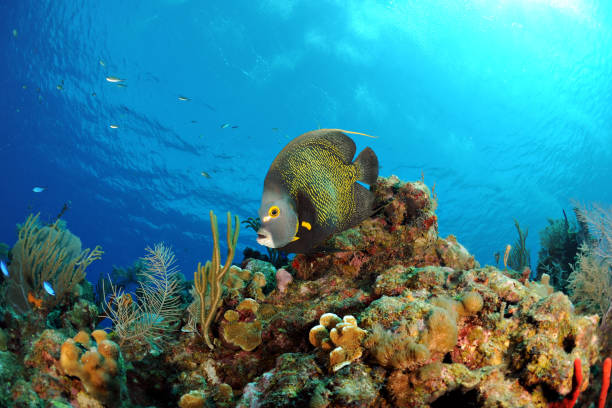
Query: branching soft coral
x,y
46,254
209,278
157,307
590,283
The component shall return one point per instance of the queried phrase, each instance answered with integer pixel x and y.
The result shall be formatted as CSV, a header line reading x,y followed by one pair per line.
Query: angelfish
x,y
311,191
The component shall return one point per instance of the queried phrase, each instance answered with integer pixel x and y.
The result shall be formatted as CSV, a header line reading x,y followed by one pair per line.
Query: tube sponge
x,y
98,368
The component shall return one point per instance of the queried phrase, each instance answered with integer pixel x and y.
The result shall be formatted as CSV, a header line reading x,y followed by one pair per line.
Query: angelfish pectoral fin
x,y
294,239
306,225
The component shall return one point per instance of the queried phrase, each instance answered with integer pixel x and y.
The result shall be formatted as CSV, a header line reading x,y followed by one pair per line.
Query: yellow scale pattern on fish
x,y
308,170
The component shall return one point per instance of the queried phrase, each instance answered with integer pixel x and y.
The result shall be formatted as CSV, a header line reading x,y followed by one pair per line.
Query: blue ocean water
x,y
505,105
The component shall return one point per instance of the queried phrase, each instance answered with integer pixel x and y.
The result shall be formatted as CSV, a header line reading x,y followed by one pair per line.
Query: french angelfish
x,y
311,191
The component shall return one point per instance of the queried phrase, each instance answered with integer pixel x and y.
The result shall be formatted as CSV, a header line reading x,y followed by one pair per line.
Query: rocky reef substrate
x,y
394,316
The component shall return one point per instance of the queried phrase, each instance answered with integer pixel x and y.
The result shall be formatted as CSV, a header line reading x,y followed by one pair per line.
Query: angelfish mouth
x,y
264,238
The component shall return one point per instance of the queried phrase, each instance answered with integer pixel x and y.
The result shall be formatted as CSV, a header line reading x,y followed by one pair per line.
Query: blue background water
x,y
504,105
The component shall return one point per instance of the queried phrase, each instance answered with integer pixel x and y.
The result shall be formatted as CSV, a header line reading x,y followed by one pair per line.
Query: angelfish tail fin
x,y
367,166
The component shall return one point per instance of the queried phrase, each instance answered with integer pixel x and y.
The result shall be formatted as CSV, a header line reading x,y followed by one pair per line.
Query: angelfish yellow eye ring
x,y
274,211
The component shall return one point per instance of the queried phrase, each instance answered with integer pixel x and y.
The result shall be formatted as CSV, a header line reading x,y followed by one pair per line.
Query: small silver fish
x,y
225,125
102,63
205,174
48,288
235,127
121,85
113,126
114,80
39,189
183,98
4,269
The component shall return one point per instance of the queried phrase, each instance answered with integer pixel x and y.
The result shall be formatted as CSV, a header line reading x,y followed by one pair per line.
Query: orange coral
x,y
98,368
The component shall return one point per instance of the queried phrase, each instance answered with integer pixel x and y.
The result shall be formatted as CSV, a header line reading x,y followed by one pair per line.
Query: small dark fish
x,y
275,129
234,127
64,209
183,98
497,255
311,191
205,174
121,85
225,125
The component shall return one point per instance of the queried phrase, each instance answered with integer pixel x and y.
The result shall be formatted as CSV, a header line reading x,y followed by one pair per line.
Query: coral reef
x,y
423,325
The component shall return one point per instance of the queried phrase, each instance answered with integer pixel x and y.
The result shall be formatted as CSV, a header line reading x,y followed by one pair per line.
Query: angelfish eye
x,y
274,212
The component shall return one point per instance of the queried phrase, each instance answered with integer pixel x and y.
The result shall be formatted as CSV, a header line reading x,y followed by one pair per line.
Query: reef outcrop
x,y
394,316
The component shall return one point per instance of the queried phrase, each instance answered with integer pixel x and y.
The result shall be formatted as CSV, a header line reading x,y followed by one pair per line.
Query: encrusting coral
x,y
241,326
